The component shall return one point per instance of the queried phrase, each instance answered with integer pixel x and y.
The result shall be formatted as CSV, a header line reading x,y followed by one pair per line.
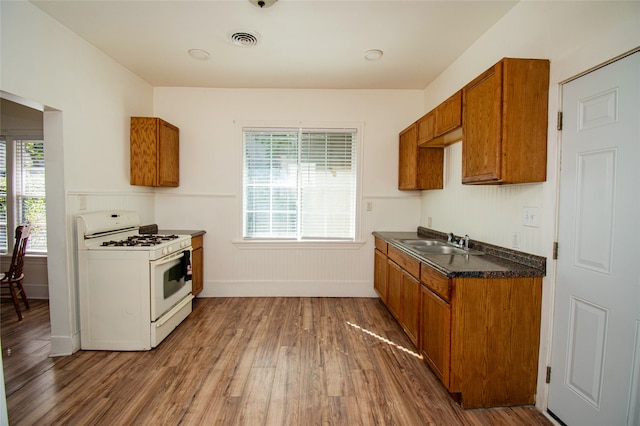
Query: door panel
x,y
587,339
597,302
595,210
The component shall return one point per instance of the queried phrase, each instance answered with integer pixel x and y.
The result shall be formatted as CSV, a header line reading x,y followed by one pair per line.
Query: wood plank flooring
x,y
240,361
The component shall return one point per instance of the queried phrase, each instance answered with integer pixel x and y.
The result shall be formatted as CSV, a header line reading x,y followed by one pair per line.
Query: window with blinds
x,y
23,192
299,184
3,196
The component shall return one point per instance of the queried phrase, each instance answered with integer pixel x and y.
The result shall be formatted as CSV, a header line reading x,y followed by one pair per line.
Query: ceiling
x,y
301,43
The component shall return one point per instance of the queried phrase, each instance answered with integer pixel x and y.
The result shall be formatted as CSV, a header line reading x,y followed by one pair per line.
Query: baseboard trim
x,y
63,345
288,289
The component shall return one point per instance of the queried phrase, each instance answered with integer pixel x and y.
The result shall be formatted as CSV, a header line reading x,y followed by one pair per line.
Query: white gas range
x,y
134,289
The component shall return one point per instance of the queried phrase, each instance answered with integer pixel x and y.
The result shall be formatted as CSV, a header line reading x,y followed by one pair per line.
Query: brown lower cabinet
x,y
436,334
197,265
480,336
403,294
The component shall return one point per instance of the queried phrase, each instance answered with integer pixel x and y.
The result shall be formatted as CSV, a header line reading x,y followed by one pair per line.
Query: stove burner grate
x,y
146,240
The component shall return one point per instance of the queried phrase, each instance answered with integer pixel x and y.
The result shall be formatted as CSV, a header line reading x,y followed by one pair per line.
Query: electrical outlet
x,y
530,216
429,222
516,240
369,206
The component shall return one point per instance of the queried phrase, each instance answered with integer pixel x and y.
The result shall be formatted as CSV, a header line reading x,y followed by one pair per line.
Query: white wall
x,y
87,99
210,193
575,36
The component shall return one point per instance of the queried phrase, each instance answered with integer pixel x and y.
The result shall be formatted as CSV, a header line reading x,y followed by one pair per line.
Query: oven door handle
x,y
171,259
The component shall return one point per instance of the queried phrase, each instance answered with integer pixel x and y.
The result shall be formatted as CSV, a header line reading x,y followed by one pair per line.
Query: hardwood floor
x,y
240,361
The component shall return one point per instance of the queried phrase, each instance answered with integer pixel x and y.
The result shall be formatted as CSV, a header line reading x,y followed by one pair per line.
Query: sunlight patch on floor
x,y
385,340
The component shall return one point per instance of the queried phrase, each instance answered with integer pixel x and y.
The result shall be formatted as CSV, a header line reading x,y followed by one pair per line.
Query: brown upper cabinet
x,y
501,118
443,125
426,127
504,116
154,152
418,168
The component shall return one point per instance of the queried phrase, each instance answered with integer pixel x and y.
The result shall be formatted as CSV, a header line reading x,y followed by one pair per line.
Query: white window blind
x,y
300,184
3,196
30,191
22,192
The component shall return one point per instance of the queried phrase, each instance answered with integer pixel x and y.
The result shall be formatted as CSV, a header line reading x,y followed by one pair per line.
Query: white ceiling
x,y
303,43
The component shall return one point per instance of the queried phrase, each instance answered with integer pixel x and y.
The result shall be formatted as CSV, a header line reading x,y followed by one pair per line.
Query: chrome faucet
x,y
463,242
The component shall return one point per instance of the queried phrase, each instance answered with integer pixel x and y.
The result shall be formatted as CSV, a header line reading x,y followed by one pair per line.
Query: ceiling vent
x,y
244,38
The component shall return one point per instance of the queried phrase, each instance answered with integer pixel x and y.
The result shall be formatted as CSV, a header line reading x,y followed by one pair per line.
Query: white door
x,y
596,330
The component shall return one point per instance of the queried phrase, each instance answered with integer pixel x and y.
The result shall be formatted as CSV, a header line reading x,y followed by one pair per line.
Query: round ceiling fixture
x,y
244,38
262,4
199,54
373,54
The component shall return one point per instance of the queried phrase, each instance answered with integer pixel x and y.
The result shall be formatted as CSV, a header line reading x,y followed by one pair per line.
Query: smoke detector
x,y
244,38
263,4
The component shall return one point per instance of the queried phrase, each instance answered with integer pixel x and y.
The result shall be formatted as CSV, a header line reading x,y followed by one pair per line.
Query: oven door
x,y
170,281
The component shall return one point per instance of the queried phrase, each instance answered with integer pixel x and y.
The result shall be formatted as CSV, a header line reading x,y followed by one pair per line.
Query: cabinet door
x,y
430,168
436,335
380,275
394,289
448,115
426,127
410,306
482,121
143,151
168,155
418,168
408,159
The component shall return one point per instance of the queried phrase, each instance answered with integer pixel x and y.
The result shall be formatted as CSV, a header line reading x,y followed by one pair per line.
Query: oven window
x,y
173,280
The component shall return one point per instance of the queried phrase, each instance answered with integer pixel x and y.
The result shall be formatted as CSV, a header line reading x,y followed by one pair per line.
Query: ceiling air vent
x,y
244,38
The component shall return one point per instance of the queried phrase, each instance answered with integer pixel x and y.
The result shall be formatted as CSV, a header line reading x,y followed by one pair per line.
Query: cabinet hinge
x,y
559,124
555,250
548,378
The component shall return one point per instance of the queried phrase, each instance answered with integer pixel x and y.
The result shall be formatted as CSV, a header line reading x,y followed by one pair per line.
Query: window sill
x,y
29,257
304,245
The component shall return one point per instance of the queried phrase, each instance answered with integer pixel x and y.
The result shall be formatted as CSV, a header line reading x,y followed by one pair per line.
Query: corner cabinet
x,y
154,152
418,168
504,123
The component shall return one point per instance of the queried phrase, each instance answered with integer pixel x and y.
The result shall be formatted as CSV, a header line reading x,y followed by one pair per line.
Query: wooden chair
x,y
13,278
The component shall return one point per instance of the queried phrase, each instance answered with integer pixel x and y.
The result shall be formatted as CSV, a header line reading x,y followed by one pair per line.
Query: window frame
x,y
12,221
273,243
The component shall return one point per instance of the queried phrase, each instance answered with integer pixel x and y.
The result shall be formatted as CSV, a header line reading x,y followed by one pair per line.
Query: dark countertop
x,y
497,262
193,233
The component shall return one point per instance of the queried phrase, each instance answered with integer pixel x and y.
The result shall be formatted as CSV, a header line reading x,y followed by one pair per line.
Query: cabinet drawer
x,y
381,245
436,282
406,262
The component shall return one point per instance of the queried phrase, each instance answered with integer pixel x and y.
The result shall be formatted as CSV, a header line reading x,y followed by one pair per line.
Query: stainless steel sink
x,y
422,243
436,247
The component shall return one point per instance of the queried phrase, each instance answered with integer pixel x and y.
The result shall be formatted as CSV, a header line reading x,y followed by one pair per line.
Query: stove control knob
x,y
164,251
169,249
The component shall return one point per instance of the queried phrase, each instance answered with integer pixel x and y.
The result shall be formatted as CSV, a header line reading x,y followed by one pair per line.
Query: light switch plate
x,y
530,216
